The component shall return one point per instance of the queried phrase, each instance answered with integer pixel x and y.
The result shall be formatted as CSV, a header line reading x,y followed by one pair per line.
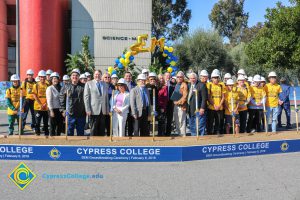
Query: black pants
x,y
255,117
38,117
28,106
129,125
141,126
169,117
243,120
107,124
161,124
97,125
56,123
215,121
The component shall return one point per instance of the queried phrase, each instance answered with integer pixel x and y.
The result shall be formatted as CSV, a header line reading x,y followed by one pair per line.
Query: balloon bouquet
x,y
122,62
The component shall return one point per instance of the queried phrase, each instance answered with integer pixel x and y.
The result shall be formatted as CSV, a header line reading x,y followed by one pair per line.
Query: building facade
x,y
50,29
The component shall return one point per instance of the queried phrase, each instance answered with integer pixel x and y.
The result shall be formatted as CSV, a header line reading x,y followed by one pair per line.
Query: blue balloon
x,y
166,52
120,65
131,58
175,58
117,61
175,68
168,61
114,72
173,74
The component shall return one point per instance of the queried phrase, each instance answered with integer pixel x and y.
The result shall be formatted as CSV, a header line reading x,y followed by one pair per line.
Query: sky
x,y
202,8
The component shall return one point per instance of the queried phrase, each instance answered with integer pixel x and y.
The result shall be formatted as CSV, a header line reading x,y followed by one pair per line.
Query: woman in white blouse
x,y
52,95
120,107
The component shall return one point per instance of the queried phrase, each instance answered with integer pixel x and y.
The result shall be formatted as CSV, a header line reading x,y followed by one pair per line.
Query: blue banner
x,y
145,153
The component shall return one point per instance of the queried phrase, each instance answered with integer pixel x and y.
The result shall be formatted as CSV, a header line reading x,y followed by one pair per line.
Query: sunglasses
x,y
179,77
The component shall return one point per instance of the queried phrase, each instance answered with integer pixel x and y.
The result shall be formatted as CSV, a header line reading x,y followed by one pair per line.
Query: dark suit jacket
x,y
202,98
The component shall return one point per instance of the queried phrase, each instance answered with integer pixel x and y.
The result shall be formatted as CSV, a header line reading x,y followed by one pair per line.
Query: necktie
x,y
99,88
190,93
145,98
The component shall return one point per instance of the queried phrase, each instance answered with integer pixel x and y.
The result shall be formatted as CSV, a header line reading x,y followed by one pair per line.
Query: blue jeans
x,y
78,123
201,127
274,116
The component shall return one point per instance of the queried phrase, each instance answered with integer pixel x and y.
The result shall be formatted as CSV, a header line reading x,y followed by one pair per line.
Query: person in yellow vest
x,y
13,102
27,86
40,103
216,93
231,104
48,78
244,99
272,93
256,103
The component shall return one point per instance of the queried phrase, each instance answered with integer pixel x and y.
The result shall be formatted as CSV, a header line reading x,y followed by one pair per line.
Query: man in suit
x,y
140,107
193,113
170,104
96,103
130,85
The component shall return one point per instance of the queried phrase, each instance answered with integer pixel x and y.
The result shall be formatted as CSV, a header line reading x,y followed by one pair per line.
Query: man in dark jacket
x,y
285,105
193,113
74,108
170,104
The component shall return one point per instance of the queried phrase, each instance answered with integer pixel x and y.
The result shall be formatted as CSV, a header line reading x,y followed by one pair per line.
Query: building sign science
x,y
145,153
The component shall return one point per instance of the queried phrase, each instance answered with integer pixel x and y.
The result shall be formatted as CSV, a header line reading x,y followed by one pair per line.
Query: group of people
x,y
213,105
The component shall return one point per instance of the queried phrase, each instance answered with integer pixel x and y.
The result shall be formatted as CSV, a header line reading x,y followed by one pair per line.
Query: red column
x,y
42,33
3,42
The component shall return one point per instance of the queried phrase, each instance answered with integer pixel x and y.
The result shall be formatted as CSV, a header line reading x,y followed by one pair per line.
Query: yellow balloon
x,y
165,55
110,69
122,60
171,49
166,48
127,61
173,63
170,69
128,54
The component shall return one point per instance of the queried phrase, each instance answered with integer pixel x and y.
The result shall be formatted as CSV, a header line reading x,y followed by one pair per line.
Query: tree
x,y
170,18
250,33
277,45
229,19
202,50
83,60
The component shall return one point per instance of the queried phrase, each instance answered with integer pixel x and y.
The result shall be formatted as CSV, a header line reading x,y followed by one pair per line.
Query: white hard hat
x,y
42,73
122,81
250,79
152,74
262,79
242,71
215,74
66,78
87,74
256,78
37,79
145,71
204,73
227,75
75,71
173,77
114,76
82,76
216,70
14,77
141,77
272,74
29,72
54,74
229,82
49,72
241,78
